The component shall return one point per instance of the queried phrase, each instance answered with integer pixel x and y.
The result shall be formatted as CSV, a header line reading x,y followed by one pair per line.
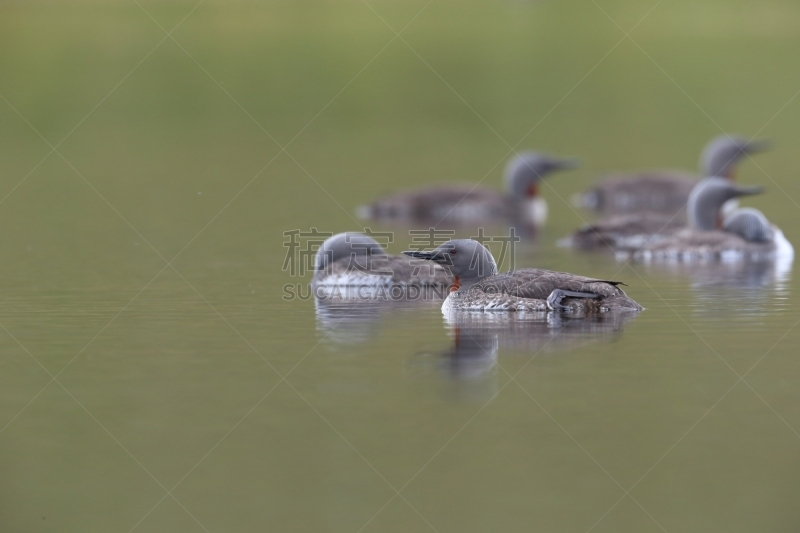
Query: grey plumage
x,y
723,153
482,288
624,231
460,202
667,191
750,224
530,288
454,203
529,168
352,246
693,245
659,191
705,202
355,259
632,231
743,234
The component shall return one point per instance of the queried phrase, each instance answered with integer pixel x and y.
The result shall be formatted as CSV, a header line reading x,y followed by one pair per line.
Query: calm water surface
x,y
242,405
153,377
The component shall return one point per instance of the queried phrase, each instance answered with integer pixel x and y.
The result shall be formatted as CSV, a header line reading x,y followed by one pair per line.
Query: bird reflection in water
x,y
472,353
537,333
470,365
741,275
744,288
352,318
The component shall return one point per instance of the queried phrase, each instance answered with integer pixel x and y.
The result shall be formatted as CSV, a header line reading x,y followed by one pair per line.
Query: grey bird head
x,y
467,260
707,198
357,246
749,224
524,172
722,153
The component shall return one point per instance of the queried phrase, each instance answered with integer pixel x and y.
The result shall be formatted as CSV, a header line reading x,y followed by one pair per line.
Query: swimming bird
x,y
627,231
744,233
357,260
668,191
462,203
705,205
477,285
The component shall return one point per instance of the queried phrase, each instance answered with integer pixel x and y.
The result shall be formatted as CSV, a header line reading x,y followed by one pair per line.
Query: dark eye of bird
x,y
453,252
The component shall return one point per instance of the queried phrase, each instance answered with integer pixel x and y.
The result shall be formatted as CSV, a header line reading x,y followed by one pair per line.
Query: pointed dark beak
x,y
419,255
566,164
435,256
748,190
755,146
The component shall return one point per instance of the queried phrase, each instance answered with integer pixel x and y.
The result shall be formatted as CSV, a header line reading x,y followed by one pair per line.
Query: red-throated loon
x,y
631,231
462,203
744,233
357,260
477,285
667,191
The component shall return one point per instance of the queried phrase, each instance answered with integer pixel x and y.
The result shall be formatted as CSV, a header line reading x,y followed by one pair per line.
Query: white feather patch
x,y
536,210
783,248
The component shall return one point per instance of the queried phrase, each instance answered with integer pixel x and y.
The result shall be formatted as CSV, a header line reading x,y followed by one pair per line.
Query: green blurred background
x,y
171,148
366,112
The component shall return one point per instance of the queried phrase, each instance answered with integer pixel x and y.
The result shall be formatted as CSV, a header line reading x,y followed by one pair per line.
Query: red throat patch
x,y
456,284
532,191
